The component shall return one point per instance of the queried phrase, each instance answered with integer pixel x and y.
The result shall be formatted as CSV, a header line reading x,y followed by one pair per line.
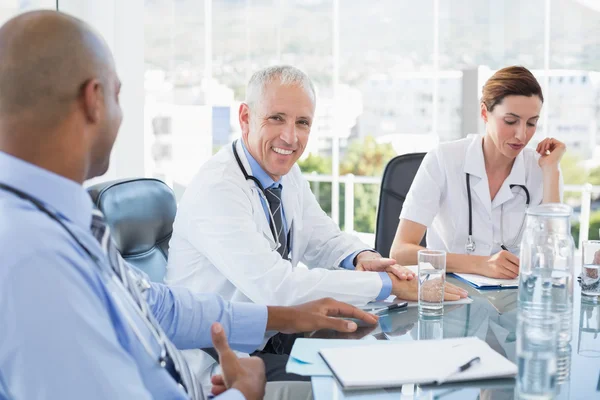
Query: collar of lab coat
x,y
475,166
265,180
290,195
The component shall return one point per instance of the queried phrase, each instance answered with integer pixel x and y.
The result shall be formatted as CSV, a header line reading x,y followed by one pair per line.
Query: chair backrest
x,y
398,176
140,214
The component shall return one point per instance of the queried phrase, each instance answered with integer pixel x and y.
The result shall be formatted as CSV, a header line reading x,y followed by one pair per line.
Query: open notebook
x,y
485,283
421,362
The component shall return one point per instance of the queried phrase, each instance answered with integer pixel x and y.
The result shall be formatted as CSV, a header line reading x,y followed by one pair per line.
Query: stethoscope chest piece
x,y
470,246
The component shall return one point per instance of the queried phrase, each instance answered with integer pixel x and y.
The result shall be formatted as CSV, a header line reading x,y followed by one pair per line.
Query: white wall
x,y
121,23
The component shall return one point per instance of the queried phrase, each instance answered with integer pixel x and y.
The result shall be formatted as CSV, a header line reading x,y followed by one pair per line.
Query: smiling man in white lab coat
x,y
248,218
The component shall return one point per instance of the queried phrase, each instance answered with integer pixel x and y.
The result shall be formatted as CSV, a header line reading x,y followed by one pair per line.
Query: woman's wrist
x,y
550,170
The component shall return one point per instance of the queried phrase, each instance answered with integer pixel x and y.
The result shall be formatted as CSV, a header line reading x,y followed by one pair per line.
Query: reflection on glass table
x,y
492,317
588,341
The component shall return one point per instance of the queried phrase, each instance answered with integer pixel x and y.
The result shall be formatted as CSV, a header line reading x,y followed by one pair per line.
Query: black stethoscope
x,y
264,197
470,246
163,360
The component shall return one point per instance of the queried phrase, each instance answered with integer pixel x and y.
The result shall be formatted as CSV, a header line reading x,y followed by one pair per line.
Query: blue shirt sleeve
x,y
386,281
187,317
348,262
386,287
56,329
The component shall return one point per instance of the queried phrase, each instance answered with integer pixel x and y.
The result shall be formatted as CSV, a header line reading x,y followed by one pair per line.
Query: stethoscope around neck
x,y
261,193
470,246
139,309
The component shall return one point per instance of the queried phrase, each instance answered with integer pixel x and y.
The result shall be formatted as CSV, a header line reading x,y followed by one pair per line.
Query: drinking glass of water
x,y
432,279
590,281
430,328
537,340
588,343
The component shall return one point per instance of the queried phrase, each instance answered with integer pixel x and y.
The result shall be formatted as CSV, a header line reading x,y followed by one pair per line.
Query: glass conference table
x,y
491,317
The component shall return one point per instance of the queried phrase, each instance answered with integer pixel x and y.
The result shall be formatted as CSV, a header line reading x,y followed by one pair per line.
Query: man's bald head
x,y
45,59
59,94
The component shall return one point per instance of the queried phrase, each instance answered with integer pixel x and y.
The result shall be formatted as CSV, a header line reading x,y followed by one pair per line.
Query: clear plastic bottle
x,y
547,264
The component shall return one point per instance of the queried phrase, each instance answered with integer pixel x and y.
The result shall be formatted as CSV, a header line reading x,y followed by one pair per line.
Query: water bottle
x,y
547,263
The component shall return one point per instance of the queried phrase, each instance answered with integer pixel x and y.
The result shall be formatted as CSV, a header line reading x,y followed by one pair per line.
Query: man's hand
x,y
329,334
370,261
596,258
502,265
409,290
316,315
246,375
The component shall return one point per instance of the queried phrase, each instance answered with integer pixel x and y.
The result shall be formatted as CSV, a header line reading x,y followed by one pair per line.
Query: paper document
x,y
420,362
305,359
483,282
479,281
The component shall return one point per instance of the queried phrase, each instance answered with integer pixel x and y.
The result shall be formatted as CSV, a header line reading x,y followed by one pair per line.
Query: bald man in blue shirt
x,y
77,322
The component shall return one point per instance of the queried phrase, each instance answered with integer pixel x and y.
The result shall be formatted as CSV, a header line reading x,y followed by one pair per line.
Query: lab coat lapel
x,y
290,196
516,177
475,167
259,215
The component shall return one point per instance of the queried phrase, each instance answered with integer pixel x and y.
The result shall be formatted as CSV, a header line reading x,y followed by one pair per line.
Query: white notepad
x,y
420,362
483,282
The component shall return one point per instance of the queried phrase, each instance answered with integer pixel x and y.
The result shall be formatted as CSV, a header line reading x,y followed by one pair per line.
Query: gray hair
x,y
286,74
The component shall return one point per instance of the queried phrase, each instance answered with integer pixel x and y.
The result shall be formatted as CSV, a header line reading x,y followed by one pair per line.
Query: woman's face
x,y
512,123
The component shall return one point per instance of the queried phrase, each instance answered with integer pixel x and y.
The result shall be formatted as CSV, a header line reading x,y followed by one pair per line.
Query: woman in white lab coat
x,y
470,195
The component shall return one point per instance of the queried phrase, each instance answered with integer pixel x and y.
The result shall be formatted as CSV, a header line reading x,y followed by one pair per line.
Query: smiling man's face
x,y
277,130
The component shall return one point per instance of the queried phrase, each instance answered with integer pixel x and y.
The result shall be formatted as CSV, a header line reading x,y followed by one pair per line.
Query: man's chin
x,y
96,171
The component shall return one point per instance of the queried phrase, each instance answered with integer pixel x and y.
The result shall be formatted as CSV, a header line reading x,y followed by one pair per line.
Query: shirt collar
x,y
65,196
475,164
259,173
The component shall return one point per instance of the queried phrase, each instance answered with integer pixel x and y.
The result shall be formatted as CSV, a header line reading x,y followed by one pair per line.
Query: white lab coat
x,y
222,242
438,198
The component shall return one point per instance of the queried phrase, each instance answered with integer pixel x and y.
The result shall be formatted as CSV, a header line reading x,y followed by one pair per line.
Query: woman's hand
x,y
502,265
551,151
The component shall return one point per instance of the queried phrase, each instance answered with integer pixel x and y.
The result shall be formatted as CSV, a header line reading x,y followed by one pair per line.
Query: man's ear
x,y
91,99
244,117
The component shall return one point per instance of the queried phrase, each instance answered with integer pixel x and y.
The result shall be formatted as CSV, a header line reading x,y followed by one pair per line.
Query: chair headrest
x,y
140,212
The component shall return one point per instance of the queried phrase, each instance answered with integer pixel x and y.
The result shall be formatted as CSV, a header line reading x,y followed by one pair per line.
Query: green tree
x,y
573,174
594,230
594,176
572,171
315,163
363,158
366,158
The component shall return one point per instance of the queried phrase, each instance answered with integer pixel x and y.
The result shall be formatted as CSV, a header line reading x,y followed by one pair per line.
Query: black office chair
x,y
140,214
395,184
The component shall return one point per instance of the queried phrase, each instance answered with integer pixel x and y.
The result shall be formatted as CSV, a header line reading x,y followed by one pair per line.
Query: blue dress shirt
x,y
63,335
267,182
